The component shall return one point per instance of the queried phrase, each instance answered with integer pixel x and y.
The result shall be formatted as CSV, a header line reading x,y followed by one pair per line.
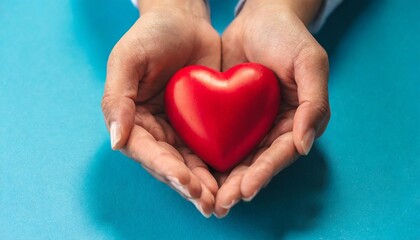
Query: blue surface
x,y
60,180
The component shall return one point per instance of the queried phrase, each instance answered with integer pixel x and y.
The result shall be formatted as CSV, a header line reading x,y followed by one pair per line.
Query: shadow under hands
x,y
339,23
123,198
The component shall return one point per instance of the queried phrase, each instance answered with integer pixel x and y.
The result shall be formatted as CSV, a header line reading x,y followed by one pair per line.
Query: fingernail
x,y
249,199
307,141
115,134
230,205
199,208
223,215
178,186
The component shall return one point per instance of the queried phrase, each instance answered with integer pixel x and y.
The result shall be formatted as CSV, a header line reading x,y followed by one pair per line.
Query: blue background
x,y
59,178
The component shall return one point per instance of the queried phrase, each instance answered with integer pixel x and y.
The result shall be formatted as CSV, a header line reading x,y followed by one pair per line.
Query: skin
x,y
171,34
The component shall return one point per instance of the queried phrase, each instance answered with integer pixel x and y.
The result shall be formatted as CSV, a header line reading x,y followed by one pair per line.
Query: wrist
x,y
195,7
305,10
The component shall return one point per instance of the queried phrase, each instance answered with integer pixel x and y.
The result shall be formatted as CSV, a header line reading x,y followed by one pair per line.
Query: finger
x,y
125,68
170,134
155,175
279,155
313,113
162,159
150,123
283,124
205,203
220,177
199,169
229,193
181,190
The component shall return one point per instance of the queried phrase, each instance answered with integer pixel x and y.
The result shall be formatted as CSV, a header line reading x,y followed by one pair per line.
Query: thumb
x,y
121,88
313,112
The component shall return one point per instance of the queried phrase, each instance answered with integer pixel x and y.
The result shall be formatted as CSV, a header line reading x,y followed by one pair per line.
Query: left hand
x,y
274,33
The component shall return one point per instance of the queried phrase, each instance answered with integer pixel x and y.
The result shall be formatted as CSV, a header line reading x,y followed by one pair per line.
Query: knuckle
x,y
121,52
314,57
322,58
127,51
316,53
160,158
106,102
114,58
323,108
267,169
322,54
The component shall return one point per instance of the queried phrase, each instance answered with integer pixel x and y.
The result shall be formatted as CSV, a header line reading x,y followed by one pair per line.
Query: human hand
x,y
273,33
168,36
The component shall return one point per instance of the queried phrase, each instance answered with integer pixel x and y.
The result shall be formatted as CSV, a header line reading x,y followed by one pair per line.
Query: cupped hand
x,y
274,34
165,38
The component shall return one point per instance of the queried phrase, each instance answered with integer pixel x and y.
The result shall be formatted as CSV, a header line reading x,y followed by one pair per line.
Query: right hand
x,y
274,33
166,38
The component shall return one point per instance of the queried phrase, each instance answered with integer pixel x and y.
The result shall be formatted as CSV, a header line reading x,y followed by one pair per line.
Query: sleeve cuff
x,y
239,6
327,8
134,2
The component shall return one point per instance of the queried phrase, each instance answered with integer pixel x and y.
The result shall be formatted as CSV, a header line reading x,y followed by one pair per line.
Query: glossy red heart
x,y
222,117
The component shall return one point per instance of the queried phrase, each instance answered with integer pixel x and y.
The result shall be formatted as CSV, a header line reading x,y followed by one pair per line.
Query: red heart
x,y
222,117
